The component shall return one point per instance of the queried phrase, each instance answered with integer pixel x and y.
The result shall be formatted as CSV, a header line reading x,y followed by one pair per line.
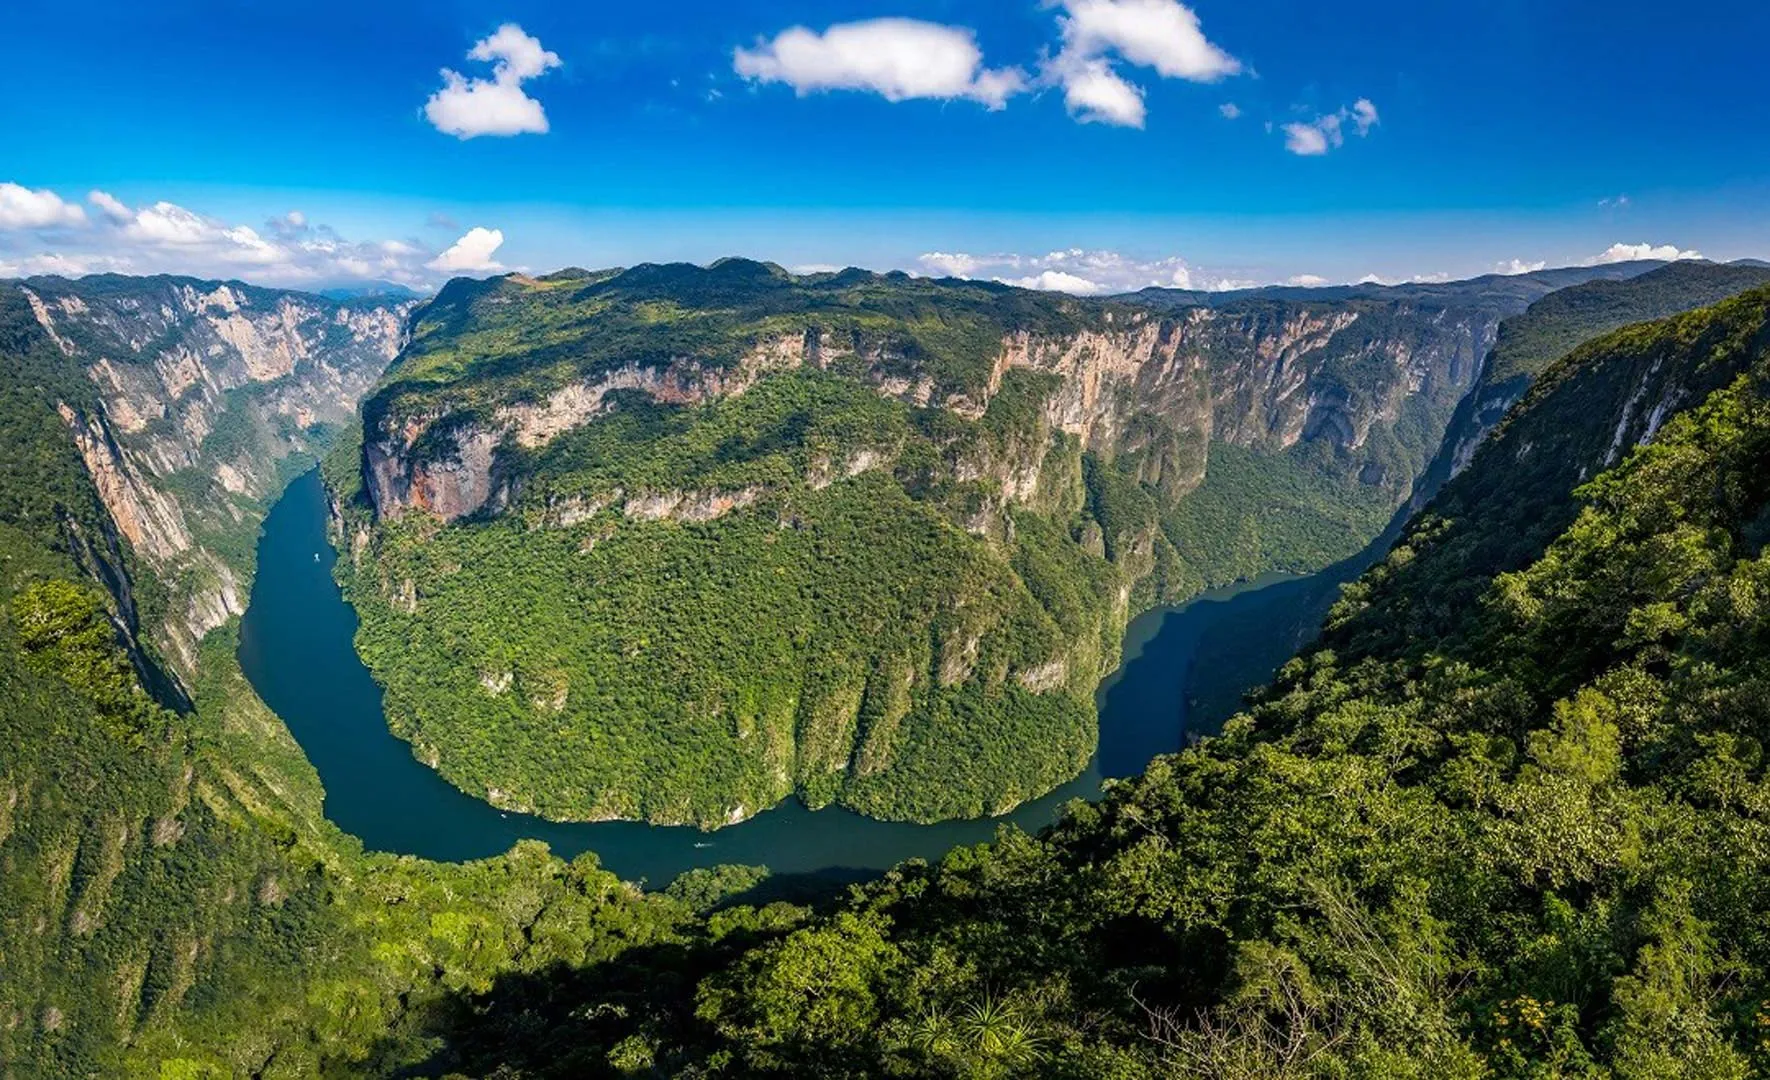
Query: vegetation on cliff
x,y
1531,846
172,901
690,614
1509,819
677,542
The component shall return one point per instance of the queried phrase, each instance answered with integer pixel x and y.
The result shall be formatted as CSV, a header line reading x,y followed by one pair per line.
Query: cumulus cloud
x,y
165,237
469,107
953,264
1096,94
1308,281
472,253
1315,138
905,59
22,208
1617,253
1229,110
1060,281
1078,271
1326,132
1364,116
109,205
898,59
169,223
1160,34
56,263
1438,278
1519,266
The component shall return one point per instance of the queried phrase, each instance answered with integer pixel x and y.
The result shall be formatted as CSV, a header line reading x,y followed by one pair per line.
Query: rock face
x,y
199,391
843,534
1159,388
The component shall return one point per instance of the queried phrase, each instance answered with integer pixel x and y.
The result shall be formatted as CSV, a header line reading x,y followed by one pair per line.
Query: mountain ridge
x,y
1096,456
171,878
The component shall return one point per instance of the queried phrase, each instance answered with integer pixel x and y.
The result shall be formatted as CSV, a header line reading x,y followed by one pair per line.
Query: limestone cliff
x,y
747,533
197,394
1157,389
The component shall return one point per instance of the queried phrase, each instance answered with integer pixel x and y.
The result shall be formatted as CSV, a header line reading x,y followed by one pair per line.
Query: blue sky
x,y
1081,144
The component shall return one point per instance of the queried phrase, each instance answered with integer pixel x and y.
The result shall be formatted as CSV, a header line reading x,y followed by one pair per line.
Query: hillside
x,y
738,535
1521,835
172,900
1528,846
1556,324
189,404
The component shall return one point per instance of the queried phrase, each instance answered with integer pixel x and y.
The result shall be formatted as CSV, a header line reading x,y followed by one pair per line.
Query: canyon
x,y
200,399
1069,463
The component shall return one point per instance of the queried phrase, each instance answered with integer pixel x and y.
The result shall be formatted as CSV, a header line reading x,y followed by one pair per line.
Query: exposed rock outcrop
x,y
199,389
1160,387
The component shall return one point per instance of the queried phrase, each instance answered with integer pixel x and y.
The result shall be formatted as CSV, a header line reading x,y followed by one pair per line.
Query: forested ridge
x,y
173,903
1521,836
676,543
1531,844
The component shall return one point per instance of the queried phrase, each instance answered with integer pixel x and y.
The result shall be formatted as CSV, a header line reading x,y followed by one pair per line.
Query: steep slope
x,y
870,539
1611,394
172,901
1532,845
188,402
1556,324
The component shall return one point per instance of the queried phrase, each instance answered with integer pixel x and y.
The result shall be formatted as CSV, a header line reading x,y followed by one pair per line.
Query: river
x,y
1184,670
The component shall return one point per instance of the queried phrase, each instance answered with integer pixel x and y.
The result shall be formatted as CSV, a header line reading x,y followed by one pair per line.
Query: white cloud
x,y
112,207
1078,271
169,223
898,59
1519,266
515,54
469,107
1159,34
1313,138
1308,281
904,59
472,253
1095,93
71,266
1438,278
953,264
164,237
22,208
1364,116
1617,253
1310,140
1229,110
1614,203
1059,281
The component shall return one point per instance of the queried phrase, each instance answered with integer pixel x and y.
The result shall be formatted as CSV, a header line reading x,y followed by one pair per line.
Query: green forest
x,y
1530,843
688,606
1507,818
